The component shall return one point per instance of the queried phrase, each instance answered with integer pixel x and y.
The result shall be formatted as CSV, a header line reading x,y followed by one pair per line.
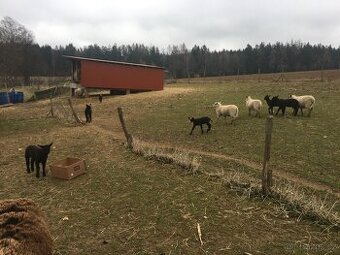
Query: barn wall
x,y
109,76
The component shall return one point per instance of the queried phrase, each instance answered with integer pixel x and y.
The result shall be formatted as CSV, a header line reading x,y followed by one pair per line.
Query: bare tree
x,y
15,42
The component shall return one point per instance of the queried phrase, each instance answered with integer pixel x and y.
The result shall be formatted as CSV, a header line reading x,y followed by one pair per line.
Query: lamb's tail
x,y
312,104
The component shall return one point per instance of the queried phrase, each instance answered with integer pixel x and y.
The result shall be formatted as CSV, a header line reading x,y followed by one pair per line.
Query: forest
x,y
21,56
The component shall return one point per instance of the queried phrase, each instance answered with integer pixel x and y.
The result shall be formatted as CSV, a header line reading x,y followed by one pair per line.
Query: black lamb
x,y
88,113
199,122
270,104
37,154
283,103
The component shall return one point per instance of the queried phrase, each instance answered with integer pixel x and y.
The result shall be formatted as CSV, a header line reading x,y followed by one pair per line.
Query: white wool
x,y
253,105
306,101
226,110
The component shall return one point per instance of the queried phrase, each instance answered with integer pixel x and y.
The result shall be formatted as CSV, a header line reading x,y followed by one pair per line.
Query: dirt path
x,y
246,162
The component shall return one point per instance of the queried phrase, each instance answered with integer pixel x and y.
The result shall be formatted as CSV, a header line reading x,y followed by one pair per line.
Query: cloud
x,y
229,24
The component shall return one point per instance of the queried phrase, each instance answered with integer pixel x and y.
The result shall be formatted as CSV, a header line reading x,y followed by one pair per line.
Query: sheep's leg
x,y
201,128
249,112
278,111
37,169
295,112
209,127
310,111
193,127
301,111
32,165
283,110
44,166
270,110
27,164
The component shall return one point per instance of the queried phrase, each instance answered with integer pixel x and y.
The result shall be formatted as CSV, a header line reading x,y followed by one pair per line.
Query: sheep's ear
x,y
50,144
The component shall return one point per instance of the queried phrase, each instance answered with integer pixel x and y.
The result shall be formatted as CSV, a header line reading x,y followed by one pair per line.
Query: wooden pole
x,y
74,113
267,180
52,110
128,137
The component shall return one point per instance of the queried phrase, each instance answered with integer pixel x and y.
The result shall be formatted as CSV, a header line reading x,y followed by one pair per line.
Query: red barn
x,y
116,76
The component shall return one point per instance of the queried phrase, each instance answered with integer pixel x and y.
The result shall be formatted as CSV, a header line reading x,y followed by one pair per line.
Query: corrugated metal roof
x,y
112,62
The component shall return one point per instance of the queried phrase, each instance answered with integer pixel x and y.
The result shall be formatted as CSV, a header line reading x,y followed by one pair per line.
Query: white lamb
x,y
253,105
306,101
226,110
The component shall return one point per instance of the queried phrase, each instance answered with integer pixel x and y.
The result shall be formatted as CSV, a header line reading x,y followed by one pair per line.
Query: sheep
x,y
199,122
37,154
88,113
226,110
306,101
270,104
23,229
253,105
283,103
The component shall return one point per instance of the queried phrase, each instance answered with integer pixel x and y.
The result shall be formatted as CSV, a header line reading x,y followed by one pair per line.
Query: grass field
x,y
126,204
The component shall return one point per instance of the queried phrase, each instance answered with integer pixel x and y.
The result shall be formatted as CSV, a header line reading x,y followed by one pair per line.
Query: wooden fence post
x,y
129,138
52,110
74,113
267,180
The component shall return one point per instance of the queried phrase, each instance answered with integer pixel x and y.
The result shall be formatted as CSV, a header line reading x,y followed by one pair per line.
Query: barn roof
x,y
111,62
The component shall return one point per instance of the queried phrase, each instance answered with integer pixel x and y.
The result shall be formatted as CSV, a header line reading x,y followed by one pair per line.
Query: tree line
x,y
20,56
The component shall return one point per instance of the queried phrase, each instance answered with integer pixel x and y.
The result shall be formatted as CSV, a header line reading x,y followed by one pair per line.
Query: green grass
x,y
308,147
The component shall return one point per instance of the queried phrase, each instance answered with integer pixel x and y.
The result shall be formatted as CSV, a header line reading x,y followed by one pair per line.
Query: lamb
x,y
283,103
253,105
37,154
306,101
23,229
270,104
199,122
88,113
226,110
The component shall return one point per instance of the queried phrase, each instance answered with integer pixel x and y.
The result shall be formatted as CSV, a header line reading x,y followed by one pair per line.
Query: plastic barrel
x,y
20,97
16,97
3,98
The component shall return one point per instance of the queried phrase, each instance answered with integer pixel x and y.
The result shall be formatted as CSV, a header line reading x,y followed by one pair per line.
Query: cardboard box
x,y
68,168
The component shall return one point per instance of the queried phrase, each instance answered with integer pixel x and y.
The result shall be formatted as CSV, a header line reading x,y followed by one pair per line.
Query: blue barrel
x,y
16,97
20,97
3,98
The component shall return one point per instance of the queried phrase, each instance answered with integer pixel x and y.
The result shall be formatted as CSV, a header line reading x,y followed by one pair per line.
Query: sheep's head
x,y
276,98
247,98
46,148
191,119
216,104
267,97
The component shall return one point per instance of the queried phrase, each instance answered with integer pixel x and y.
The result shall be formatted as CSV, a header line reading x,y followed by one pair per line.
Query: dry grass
x,y
126,204
190,163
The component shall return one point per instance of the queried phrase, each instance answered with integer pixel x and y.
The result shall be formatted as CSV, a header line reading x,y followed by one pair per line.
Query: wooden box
x,y
68,168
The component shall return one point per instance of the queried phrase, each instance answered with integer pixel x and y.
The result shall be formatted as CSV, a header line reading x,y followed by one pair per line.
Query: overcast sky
x,y
219,24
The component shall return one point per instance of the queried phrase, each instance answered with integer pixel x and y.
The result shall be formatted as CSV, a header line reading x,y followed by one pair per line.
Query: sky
x,y
218,24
